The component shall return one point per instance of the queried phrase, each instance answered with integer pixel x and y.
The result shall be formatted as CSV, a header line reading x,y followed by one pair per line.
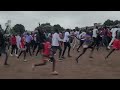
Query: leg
x,y
84,50
34,47
24,54
69,47
13,47
20,54
60,51
38,51
110,53
111,42
65,47
16,49
29,50
81,43
6,58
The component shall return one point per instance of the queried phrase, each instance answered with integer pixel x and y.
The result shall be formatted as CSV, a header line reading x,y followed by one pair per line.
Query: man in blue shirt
x,y
28,41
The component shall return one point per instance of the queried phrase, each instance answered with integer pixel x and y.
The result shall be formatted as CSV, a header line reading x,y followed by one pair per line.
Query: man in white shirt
x,y
56,43
81,37
18,38
66,43
95,37
113,30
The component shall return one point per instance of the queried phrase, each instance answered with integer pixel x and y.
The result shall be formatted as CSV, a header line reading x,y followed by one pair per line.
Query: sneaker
x,y
78,50
16,55
69,56
108,48
33,67
54,73
76,60
106,58
6,64
11,55
60,59
90,57
63,57
25,60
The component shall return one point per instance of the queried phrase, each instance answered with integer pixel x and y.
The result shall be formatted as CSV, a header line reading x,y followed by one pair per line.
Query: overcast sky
x,y
67,19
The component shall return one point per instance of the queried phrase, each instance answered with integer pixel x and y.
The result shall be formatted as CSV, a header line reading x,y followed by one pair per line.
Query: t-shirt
x,y
76,33
18,39
55,39
66,37
81,36
95,33
47,47
113,30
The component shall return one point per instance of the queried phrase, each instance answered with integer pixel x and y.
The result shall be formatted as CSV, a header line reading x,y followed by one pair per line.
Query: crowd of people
x,y
47,44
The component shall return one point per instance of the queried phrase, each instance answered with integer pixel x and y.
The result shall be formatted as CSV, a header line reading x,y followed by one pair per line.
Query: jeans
x,y
66,44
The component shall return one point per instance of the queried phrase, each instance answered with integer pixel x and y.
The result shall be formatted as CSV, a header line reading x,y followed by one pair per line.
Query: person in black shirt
x,y
3,47
40,38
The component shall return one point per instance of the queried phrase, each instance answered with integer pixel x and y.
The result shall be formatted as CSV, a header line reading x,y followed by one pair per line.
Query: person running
x,y
116,43
14,45
95,37
3,47
22,47
81,37
86,45
35,43
56,43
18,38
46,55
66,43
40,40
113,30
28,42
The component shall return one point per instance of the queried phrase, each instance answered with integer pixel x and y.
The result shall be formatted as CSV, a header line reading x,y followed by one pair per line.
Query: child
x,y
87,44
22,48
47,54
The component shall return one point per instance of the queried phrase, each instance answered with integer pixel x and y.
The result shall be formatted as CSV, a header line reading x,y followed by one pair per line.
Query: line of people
x,y
47,44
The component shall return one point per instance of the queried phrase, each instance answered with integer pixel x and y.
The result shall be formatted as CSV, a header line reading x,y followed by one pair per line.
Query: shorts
x,y
116,44
85,46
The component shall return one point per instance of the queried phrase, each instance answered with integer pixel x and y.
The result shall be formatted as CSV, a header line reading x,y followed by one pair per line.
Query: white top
x,y
95,33
76,33
66,37
113,30
81,36
18,38
55,39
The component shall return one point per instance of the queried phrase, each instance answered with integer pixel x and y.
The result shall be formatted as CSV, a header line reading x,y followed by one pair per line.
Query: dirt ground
x,y
87,68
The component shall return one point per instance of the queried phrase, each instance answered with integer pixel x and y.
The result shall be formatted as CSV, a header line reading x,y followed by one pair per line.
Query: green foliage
x,y
111,22
18,29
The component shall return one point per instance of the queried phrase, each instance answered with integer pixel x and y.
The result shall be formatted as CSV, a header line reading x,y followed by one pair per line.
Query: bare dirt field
x,y
87,68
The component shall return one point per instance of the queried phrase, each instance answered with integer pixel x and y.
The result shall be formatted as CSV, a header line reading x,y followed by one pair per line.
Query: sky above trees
x,y
67,19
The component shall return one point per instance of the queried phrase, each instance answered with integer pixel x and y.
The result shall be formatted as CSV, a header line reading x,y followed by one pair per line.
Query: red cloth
x,y
47,47
13,40
22,43
116,44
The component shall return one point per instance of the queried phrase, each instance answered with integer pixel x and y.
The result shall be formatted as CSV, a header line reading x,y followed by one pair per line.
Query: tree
x,y
46,27
58,27
116,22
108,22
18,29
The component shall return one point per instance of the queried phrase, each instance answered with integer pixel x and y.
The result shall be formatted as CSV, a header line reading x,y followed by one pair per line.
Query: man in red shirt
x,y
14,45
